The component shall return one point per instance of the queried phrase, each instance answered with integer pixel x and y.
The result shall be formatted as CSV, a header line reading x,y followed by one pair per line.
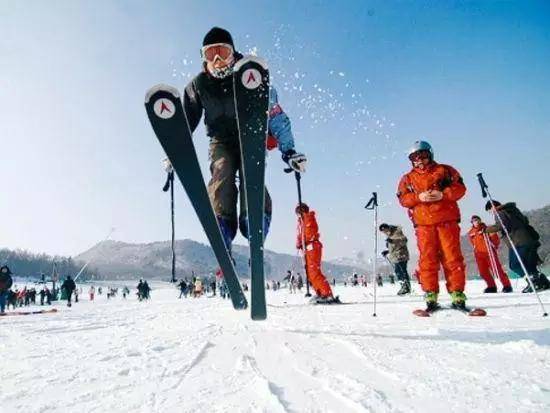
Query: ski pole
x,y
389,262
299,188
492,260
485,193
373,204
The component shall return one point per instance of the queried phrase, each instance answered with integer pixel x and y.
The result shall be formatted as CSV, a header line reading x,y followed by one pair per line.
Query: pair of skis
x,y
169,121
12,313
472,312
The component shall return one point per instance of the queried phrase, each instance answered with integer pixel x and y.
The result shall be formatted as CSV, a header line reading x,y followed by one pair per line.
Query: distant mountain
x,y
119,260
358,263
540,220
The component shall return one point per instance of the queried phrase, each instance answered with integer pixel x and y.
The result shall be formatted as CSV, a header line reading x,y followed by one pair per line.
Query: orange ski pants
x,y
485,270
439,244
313,255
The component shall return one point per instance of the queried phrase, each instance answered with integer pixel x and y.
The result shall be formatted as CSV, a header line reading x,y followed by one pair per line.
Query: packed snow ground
x,y
199,355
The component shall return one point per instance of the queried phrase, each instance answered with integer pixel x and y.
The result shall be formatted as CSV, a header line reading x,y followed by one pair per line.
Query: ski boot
x,y
405,288
431,305
490,290
431,302
540,282
326,300
458,300
507,289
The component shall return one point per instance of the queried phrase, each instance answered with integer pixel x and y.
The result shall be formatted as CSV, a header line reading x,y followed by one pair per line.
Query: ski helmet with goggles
x,y
218,44
419,146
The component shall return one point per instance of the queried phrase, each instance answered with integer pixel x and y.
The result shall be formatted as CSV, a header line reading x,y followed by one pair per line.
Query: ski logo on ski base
x,y
164,108
251,78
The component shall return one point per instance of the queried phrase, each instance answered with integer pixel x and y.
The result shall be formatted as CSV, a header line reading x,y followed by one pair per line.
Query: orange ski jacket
x,y
308,230
478,240
435,176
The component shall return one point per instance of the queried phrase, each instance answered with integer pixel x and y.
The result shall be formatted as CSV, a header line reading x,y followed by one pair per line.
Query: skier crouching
x,y
307,240
524,237
430,191
211,91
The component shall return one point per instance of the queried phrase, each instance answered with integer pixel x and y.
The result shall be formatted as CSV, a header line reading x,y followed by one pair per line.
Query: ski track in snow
x,y
199,355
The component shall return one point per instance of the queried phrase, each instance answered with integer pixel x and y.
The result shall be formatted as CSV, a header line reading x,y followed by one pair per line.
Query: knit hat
x,y
217,35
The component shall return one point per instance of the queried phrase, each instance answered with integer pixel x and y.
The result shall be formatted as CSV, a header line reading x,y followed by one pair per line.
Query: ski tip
x,y
421,313
250,59
258,317
161,88
477,312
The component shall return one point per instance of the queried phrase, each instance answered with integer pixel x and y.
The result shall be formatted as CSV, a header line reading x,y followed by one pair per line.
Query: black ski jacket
x,y
5,282
216,98
68,285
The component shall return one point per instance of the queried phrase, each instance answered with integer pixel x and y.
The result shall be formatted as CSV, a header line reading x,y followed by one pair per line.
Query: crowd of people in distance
x,y
197,287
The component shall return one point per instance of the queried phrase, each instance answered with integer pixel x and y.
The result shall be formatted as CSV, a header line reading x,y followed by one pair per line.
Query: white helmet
x,y
421,146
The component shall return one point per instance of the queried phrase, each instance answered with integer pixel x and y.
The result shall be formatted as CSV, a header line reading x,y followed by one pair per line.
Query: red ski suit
x,y
436,224
483,259
308,241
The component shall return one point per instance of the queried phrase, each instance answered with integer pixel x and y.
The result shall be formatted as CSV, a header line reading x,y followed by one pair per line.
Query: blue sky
x,y
361,80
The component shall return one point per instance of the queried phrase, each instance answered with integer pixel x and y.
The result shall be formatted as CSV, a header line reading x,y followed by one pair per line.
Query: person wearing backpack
x,y
524,237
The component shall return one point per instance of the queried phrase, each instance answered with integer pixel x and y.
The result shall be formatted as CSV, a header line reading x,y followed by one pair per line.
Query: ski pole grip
x,y
373,202
483,185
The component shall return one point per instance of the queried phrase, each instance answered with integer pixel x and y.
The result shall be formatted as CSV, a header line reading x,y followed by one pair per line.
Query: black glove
x,y
297,161
384,253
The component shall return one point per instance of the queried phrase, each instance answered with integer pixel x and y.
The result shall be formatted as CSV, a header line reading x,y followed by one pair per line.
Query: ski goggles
x,y
222,51
417,156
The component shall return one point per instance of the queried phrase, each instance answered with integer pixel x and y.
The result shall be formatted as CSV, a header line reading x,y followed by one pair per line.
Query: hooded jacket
x,y
517,224
397,245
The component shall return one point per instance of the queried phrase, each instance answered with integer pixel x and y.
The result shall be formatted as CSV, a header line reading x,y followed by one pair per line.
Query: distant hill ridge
x,y
118,260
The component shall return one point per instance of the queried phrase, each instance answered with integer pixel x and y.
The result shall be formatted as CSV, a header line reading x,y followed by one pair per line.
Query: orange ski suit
x,y
436,224
308,234
483,259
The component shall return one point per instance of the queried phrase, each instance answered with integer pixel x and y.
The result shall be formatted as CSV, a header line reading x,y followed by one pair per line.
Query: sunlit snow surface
x,y
199,355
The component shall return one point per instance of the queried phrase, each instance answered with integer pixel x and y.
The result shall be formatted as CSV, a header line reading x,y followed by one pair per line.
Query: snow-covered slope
x,y
199,355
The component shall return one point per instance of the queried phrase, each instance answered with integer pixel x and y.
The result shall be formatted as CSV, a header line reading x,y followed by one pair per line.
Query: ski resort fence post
x,y
486,194
373,204
170,185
